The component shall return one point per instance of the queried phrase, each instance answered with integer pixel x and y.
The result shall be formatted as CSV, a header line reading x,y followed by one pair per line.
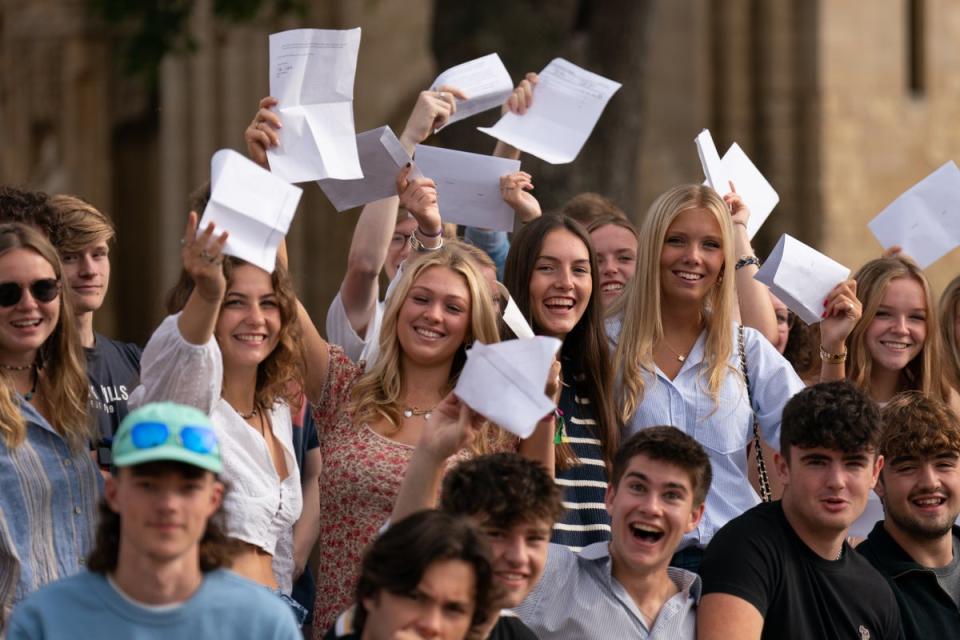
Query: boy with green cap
x,y
157,569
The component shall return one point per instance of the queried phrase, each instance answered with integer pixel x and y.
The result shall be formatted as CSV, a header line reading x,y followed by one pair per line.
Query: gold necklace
x,y
680,357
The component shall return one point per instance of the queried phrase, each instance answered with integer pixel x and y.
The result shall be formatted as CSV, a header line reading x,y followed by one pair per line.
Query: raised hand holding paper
x,y
925,219
485,81
504,382
566,106
468,186
311,75
801,276
254,205
713,168
751,186
381,157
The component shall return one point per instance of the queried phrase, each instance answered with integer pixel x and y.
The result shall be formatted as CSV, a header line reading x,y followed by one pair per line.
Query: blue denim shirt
x,y
48,510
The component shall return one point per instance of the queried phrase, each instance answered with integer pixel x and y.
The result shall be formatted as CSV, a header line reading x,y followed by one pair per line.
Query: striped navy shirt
x,y
584,485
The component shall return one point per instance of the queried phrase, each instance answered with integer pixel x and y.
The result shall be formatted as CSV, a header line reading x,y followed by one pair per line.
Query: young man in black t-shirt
x,y
917,545
783,569
82,236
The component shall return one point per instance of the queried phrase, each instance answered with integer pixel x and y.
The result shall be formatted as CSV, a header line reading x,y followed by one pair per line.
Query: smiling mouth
x,y
646,533
934,501
430,334
251,338
688,276
27,324
611,287
559,304
895,345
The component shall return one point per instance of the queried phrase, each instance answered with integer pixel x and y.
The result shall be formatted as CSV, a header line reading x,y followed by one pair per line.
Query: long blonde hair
x,y
923,373
948,332
62,387
642,325
377,394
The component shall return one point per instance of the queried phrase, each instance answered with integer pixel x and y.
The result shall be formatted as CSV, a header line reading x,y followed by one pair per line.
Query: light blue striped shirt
x,y
578,599
48,510
724,428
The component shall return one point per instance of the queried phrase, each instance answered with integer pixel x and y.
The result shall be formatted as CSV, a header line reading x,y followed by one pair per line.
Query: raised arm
x,y
755,306
842,311
202,257
519,101
452,426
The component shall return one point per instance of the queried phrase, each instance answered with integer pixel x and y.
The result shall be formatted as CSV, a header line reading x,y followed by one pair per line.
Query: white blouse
x,y
260,508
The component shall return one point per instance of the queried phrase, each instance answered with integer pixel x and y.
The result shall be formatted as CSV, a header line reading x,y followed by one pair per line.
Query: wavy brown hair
x,y
377,394
62,386
924,372
586,344
948,330
280,376
77,224
216,549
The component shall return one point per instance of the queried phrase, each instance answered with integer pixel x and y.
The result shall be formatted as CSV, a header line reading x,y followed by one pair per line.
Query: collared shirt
x,y
725,427
48,510
578,598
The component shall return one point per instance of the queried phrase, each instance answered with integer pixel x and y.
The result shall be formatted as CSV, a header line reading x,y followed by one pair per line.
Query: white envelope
x,y
801,276
468,186
505,381
381,158
713,168
566,105
311,75
751,186
925,219
253,204
485,82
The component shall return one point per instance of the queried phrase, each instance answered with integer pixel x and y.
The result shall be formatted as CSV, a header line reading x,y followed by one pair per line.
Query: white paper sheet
x,y
468,186
713,168
801,276
485,82
512,316
381,158
925,219
505,382
751,186
311,75
566,105
254,205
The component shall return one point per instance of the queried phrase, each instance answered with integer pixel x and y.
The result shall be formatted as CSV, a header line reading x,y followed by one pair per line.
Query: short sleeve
x,y
739,561
173,369
773,382
342,374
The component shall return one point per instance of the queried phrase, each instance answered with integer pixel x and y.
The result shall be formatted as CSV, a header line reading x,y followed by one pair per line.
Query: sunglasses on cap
x,y
43,290
147,435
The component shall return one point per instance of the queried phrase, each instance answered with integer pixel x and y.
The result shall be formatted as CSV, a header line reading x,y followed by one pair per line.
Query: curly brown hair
x,y
502,488
918,426
280,376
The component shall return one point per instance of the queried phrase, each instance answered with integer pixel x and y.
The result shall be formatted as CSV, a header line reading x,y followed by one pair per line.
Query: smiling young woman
x,y
50,483
678,350
232,348
552,274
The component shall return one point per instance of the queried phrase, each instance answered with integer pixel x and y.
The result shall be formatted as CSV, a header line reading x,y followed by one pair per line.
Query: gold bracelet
x,y
832,358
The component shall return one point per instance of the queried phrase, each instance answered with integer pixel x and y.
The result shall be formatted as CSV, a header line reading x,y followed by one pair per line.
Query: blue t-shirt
x,y
88,606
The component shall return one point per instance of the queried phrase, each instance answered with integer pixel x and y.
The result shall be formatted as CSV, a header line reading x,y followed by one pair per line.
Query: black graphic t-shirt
x,y
113,369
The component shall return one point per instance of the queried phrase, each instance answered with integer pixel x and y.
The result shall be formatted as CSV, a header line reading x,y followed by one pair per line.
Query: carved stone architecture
x,y
842,105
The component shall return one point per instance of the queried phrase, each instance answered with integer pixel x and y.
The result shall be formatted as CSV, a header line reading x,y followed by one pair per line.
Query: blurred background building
x,y
843,105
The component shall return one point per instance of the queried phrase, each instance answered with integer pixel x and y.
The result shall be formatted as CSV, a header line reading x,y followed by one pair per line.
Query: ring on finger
x,y
208,257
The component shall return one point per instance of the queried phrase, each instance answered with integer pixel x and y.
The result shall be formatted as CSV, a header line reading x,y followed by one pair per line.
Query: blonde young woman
x,y
51,486
678,348
370,421
231,347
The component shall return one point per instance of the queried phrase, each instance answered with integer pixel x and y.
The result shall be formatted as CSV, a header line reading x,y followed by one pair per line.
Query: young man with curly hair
x,y
157,570
784,569
917,545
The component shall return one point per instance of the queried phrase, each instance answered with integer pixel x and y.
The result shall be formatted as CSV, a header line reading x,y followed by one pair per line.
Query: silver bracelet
x,y
419,246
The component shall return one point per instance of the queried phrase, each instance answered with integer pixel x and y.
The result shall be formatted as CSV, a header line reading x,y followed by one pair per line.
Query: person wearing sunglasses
x,y
50,485
231,348
158,567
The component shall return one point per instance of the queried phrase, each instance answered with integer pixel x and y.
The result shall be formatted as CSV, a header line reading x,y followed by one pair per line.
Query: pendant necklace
x,y
680,357
409,412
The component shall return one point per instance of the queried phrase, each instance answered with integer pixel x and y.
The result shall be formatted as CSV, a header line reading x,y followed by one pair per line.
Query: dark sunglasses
x,y
45,290
147,435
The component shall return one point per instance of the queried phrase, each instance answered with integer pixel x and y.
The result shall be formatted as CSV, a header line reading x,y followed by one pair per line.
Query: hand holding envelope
x,y
802,277
504,382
